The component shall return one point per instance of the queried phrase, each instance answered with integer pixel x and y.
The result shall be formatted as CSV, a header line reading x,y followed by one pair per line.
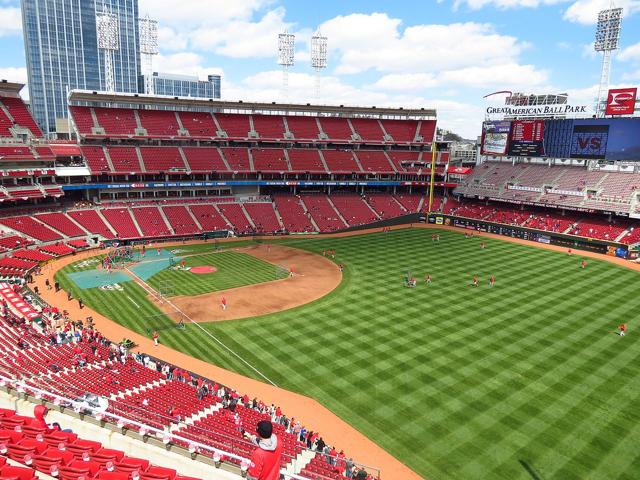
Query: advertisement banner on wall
x,y
495,137
621,101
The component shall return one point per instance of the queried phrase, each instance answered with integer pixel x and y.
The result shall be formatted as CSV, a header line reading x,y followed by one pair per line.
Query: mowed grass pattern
x,y
234,269
525,380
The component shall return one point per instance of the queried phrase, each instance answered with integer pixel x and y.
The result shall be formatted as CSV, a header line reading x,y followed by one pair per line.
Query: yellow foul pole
x,y
433,173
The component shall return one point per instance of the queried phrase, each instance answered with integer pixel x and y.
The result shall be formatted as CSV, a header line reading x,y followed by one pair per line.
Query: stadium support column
x,y
433,173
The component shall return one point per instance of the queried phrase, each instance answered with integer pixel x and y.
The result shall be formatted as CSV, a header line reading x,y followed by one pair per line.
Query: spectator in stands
x,y
266,459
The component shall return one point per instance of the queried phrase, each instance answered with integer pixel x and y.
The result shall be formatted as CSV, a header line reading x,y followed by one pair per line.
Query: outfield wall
x,y
551,238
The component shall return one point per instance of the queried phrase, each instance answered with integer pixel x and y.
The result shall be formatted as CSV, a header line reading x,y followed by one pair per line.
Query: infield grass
x,y
525,380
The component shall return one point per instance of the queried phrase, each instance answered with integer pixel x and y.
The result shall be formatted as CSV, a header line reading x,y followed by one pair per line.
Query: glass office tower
x,y
61,49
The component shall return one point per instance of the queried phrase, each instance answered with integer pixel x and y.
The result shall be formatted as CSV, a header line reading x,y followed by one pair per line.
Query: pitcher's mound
x,y
202,269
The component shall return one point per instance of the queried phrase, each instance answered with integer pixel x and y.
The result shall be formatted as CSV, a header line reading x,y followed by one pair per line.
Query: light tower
x,y
318,58
148,31
607,41
108,42
286,52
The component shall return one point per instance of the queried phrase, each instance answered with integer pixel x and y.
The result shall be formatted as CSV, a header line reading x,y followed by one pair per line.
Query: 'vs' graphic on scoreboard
x,y
589,141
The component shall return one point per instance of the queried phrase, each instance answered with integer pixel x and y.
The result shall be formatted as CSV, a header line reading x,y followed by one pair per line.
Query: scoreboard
x,y
527,138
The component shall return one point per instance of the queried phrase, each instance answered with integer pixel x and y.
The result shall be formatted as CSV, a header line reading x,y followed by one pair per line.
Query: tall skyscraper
x,y
61,47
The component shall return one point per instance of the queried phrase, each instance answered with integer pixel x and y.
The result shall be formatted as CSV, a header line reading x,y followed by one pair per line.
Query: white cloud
x,y
184,63
14,74
188,13
630,54
10,22
238,29
509,76
363,42
242,38
586,11
504,4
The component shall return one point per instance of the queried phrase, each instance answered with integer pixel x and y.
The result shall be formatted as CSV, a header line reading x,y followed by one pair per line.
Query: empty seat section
x,y
368,129
306,161
354,209
410,201
32,228
117,121
5,125
83,119
401,130
95,158
159,123
61,223
374,161
16,153
269,160
120,220
405,161
237,158
323,213
21,115
235,125
234,213
204,159
385,205
151,222
124,159
303,128
269,126
208,217
263,216
180,220
91,221
198,124
336,128
162,159
427,130
292,213
340,161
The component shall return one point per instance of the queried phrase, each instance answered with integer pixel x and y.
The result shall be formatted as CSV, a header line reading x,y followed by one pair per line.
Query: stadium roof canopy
x,y
10,88
160,102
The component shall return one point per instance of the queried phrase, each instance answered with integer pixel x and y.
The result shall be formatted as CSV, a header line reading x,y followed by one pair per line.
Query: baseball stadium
x,y
205,289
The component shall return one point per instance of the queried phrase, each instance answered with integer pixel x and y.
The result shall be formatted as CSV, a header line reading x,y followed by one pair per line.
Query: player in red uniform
x,y
623,329
491,281
475,281
583,264
223,303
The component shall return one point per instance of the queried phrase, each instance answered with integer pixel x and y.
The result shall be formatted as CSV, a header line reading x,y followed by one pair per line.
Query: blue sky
x,y
445,54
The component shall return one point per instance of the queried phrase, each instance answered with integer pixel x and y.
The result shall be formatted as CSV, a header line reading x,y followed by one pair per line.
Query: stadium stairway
x,y
166,220
337,211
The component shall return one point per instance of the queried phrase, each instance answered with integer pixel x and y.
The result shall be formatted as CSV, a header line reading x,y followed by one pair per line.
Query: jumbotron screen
x,y
606,138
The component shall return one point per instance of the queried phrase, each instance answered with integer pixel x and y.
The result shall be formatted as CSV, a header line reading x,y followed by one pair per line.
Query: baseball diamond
x,y
486,382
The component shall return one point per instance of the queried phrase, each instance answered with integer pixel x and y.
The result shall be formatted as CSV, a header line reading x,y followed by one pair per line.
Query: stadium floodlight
x,y
318,58
108,42
148,32
607,41
286,54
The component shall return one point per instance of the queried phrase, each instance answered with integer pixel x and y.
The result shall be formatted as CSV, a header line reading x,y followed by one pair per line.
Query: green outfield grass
x,y
525,380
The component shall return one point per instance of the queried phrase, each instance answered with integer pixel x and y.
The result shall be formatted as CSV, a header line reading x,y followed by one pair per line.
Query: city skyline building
x,y
61,50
